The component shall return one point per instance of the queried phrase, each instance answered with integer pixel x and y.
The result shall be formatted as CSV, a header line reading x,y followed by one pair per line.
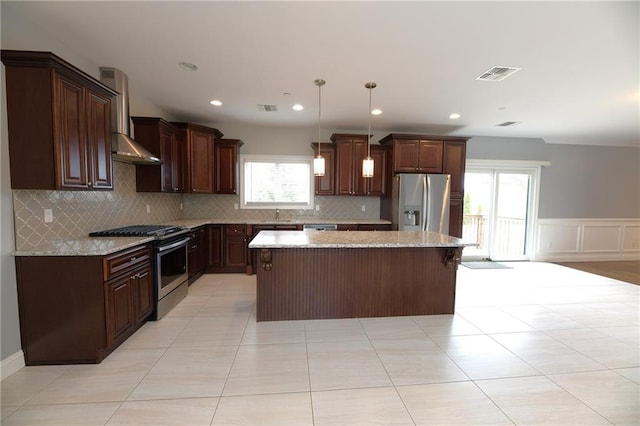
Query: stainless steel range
x,y
170,261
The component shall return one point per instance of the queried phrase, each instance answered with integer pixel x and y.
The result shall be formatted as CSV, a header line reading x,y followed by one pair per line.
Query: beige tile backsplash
x,y
76,213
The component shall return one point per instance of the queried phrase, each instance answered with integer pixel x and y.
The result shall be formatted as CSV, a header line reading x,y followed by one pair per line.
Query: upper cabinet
x,y
163,140
326,185
453,163
415,154
59,124
226,165
200,162
351,149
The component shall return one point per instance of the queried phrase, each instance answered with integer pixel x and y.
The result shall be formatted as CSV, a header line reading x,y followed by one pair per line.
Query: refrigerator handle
x,y
425,200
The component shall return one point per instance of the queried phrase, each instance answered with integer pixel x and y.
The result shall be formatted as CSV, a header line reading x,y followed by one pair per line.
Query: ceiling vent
x,y
508,123
268,108
497,73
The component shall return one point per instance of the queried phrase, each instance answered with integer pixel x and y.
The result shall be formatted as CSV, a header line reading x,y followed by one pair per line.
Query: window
x,y
269,182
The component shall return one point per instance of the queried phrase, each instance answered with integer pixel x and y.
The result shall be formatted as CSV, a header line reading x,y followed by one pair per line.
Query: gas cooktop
x,y
157,231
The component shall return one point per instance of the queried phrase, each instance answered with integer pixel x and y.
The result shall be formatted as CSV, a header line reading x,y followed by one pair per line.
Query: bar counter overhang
x,y
355,274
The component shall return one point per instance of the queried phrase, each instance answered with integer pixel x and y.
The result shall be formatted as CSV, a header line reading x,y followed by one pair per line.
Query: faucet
x,y
277,214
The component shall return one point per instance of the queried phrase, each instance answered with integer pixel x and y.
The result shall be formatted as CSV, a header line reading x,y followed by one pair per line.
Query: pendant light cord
x,y
369,131
319,115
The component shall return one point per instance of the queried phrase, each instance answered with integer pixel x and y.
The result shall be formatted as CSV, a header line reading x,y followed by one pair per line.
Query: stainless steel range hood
x,y
124,148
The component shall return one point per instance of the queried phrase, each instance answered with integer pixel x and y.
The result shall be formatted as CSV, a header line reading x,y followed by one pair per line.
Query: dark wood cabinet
x,y
374,227
456,210
453,162
326,185
377,185
119,308
59,124
165,141
197,253
348,227
226,165
200,162
143,293
215,251
413,154
227,248
235,248
78,309
129,292
350,151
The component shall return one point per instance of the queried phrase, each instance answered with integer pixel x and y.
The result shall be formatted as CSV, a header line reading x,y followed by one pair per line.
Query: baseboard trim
x,y
11,364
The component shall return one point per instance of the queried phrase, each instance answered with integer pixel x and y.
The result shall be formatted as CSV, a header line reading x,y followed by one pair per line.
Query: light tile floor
x,y
536,344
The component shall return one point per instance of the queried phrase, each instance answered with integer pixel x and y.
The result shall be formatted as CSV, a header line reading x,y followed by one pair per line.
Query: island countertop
x,y
349,239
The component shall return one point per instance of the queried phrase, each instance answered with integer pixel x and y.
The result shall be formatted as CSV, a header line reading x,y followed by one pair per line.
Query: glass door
x,y
497,211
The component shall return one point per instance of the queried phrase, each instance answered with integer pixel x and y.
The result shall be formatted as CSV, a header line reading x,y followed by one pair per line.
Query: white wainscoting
x,y
565,240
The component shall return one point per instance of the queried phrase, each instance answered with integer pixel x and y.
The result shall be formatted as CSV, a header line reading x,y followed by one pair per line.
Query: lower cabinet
x,y
365,227
197,253
128,303
227,248
78,309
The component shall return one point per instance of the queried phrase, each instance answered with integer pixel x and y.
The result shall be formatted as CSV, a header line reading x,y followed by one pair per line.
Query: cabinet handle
x,y
175,189
133,259
88,183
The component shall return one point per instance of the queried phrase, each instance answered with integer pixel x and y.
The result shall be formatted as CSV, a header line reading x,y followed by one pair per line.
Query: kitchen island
x,y
321,275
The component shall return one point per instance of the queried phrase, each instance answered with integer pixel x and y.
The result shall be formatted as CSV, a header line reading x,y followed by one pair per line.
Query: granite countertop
x,y
97,246
360,239
100,246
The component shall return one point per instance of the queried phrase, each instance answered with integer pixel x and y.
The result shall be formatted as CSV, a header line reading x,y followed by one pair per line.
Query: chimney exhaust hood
x,y
124,148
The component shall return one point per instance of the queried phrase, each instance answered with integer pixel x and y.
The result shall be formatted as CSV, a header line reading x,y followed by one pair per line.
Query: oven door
x,y
171,266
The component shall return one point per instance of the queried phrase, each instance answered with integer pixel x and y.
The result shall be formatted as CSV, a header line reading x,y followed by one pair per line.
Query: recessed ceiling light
x,y
454,116
298,107
188,66
215,102
376,111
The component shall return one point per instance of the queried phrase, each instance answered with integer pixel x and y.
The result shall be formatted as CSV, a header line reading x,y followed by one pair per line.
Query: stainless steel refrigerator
x,y
420,202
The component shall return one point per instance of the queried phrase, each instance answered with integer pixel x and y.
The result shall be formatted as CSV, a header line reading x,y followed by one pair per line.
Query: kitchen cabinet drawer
x,y
123,261
374,227
235,229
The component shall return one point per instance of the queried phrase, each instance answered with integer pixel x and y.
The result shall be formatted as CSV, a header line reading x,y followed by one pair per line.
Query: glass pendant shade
x,y
318,165
367,167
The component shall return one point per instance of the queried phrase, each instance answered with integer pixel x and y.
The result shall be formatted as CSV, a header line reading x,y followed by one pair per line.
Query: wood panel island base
x,y
322,275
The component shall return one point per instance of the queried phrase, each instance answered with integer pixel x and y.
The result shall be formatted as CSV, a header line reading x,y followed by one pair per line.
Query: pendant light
x,y
318,161
367,163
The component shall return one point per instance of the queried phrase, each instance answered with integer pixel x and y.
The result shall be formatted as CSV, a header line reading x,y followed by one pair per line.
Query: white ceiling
x,y
578,83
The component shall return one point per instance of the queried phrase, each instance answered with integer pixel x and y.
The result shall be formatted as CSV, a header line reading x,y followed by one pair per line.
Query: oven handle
x,y
174,245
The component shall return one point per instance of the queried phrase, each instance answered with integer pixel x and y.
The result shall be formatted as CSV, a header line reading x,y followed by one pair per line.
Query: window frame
x,y
297,159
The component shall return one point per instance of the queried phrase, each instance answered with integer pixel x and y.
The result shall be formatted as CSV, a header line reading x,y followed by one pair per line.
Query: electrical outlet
x,y
148,208
181,206
364,208
48,215
317,207
235,206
